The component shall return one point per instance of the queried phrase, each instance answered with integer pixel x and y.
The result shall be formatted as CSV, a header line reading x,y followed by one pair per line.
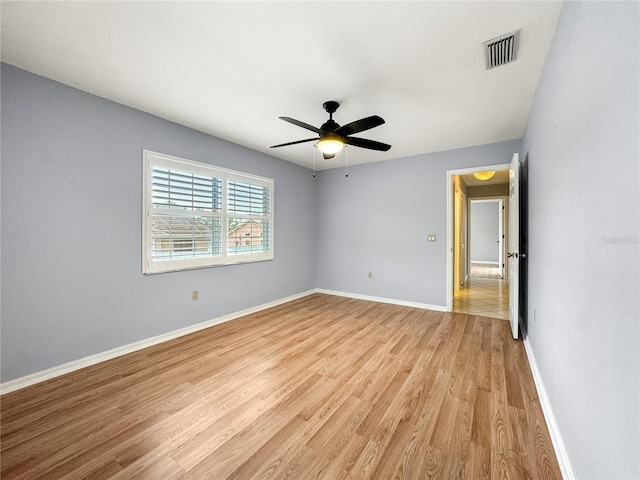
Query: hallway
x,y
487,297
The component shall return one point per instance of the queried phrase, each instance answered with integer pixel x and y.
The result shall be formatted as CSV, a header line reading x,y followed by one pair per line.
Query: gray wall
x,y
377,220
484,222
582,149
71,228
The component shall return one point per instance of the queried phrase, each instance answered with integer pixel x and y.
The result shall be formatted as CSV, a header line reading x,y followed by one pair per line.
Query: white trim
x,y
450,175
566,468
450,223
74,365
485,262
404,303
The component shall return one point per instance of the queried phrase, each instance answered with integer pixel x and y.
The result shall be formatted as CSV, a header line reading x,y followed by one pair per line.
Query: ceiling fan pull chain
x,y
314,162
346,161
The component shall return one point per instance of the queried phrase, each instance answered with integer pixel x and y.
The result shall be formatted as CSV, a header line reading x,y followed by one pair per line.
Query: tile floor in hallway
x,y
488,297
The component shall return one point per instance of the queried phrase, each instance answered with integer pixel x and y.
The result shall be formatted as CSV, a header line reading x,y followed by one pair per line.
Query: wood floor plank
x,y
434,463
393,454
330,440
481,426
460,441
479,464
323,387
519,431
265,453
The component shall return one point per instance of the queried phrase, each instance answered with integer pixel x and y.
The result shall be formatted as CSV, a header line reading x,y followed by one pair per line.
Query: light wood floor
x,y
323,387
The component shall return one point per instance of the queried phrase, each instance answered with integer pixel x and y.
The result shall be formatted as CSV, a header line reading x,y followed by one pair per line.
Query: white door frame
x,y
503,201
450,224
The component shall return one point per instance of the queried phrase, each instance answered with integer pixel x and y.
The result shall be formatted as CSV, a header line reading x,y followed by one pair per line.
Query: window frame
x,y
150,265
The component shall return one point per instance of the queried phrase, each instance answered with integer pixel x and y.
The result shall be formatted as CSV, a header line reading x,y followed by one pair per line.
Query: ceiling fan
x,y
332,137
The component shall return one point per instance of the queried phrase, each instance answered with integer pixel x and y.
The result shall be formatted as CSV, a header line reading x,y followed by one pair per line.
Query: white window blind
x,y
186,207
249,207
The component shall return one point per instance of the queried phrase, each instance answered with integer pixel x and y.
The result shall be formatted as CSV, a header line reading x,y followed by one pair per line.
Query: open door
x,y
460,239
514,242
501,242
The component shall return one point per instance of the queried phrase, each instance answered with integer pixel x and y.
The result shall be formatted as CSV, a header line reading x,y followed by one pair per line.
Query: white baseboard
x,y
404,303
554,431
74,365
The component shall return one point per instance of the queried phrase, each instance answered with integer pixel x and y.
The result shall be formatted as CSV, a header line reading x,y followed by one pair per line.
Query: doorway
x,y
467,291
487,245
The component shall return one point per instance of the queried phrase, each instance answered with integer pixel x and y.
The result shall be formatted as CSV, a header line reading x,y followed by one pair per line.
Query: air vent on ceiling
x,y
501,50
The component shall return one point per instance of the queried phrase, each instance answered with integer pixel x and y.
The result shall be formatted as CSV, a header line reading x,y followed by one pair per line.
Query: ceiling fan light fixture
x,y
484,175
332,138
330,145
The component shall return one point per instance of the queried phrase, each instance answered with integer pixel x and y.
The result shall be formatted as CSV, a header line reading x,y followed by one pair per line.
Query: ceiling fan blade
x,y
360,125
364,143
300,124
293,143
328,156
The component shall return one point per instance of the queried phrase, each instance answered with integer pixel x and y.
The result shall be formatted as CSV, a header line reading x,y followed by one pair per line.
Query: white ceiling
x,y
232,68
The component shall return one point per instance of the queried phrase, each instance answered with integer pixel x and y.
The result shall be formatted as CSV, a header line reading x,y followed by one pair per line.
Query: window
x,y
196,215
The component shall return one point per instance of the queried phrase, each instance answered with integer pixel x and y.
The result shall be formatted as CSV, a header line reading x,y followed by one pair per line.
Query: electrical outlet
x,y
370,275
195,295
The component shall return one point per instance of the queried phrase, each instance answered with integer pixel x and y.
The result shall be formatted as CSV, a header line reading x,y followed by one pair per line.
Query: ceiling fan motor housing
x,y
331,106
329,126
